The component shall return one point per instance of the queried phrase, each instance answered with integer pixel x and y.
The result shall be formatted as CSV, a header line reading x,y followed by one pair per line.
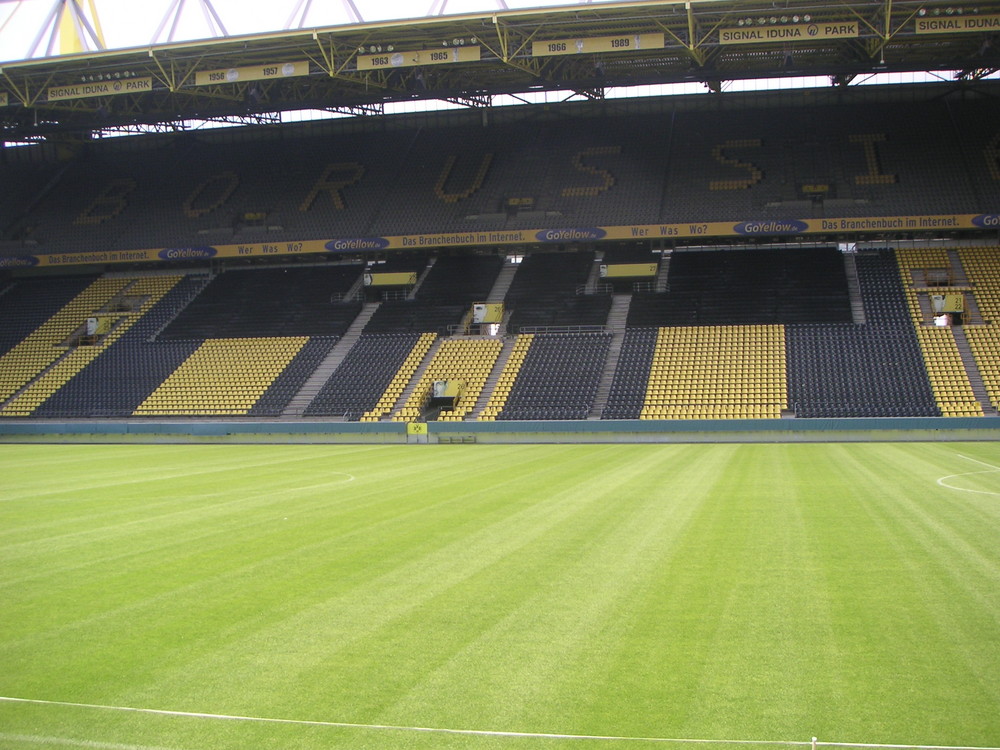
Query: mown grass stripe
x,y
632,591
434,730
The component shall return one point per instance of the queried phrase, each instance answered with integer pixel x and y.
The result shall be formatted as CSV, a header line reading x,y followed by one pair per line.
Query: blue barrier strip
x,y
986,425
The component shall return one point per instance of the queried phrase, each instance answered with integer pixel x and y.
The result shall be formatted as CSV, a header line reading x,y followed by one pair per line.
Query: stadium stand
x,y
118,380
28,302
48,357
364,375
283,301
548,311
876,369
222,377
415,316
926,272
748,287
756,330
717,372
279,393
557,378
443,298
949,381
460,279
893,364
631,379
397,386
544,292
466,361
628,256
983,267
685,165
407,266
507,378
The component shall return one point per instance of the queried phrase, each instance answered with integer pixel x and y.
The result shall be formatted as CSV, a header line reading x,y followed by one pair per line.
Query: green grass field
x,y
630,592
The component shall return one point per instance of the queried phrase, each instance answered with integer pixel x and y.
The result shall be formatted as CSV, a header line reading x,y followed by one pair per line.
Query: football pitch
x,y
217,597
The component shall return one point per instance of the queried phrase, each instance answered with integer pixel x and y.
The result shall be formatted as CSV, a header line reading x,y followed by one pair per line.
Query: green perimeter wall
x,y
596,431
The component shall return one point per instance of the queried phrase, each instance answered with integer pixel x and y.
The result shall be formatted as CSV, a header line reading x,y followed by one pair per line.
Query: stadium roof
x,y
472,58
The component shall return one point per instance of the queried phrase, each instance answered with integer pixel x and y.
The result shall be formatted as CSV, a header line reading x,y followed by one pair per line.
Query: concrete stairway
x,y
502,283
297,406
491,381
417,375
854,289
663,274
972,371
616,322
412,294
202,280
